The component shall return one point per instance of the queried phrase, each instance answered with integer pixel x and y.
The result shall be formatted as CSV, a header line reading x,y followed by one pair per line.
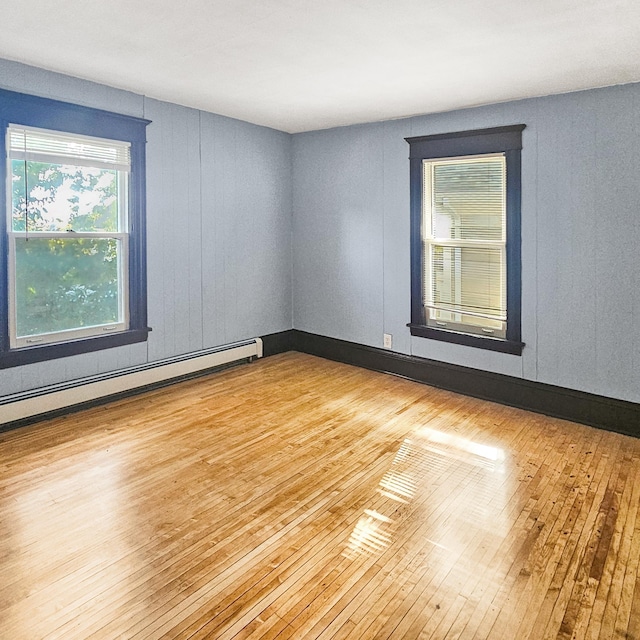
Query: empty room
x,y
320,320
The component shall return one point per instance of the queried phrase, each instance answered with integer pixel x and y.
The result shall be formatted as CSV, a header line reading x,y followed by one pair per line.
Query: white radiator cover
x,y
32,403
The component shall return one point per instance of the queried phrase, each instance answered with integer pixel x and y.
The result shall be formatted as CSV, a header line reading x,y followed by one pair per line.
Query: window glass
x,y
56,197
68,236
468,199
65,284
464,249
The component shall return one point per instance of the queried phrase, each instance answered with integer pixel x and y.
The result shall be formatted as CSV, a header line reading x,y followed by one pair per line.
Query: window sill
x,y
40,353
468,340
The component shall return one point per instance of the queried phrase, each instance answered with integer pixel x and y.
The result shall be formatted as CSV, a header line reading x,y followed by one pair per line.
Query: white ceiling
x,y
299,65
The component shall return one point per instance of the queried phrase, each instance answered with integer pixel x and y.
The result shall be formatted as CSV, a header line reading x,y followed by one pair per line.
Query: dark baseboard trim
x,y
275,343
577,406
593,410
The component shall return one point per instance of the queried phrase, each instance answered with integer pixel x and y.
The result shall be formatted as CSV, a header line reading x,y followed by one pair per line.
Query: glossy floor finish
x,y
300,498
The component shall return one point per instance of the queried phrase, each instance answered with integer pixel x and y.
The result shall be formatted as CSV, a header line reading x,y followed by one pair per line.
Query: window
x,y
67,236
73,272
465,238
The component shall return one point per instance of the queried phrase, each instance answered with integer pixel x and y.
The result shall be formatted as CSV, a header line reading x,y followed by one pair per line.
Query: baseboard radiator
x,y
47,400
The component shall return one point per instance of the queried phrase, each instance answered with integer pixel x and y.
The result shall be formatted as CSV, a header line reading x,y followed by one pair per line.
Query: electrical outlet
x,y
387,340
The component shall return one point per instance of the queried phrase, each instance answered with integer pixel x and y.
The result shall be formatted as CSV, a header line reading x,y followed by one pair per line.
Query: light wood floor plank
x,y
300,498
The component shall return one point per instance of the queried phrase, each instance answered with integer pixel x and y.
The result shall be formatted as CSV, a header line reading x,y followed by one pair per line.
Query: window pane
x,y
469,280
64,284
468,199
63,197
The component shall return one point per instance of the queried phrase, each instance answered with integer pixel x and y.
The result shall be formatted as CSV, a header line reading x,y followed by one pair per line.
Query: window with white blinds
x,y
464,209
72,229
67,234
465,237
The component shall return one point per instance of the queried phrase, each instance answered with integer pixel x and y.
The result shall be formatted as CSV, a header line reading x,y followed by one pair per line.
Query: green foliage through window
x,y
64,284
67,225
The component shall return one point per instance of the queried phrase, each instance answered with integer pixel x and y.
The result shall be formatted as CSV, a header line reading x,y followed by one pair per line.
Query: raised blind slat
x,y
38,145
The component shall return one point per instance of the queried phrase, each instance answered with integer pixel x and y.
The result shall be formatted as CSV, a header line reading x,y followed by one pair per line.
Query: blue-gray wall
x,y
226,199
580,237
218,229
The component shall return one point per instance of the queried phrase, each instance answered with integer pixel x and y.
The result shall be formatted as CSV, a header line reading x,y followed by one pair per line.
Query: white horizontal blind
x,y
39,145
464,222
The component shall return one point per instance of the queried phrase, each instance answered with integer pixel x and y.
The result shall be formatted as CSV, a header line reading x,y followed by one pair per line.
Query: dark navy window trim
x,y
507,140
23,109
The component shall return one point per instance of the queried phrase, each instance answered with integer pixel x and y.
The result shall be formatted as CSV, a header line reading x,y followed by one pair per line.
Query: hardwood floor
x,y
301,498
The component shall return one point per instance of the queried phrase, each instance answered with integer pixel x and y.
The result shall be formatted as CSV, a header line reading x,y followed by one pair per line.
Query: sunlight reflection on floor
x,y
427,463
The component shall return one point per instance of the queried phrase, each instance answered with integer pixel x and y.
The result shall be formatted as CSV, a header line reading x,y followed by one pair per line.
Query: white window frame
x,y
434,311
121,236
